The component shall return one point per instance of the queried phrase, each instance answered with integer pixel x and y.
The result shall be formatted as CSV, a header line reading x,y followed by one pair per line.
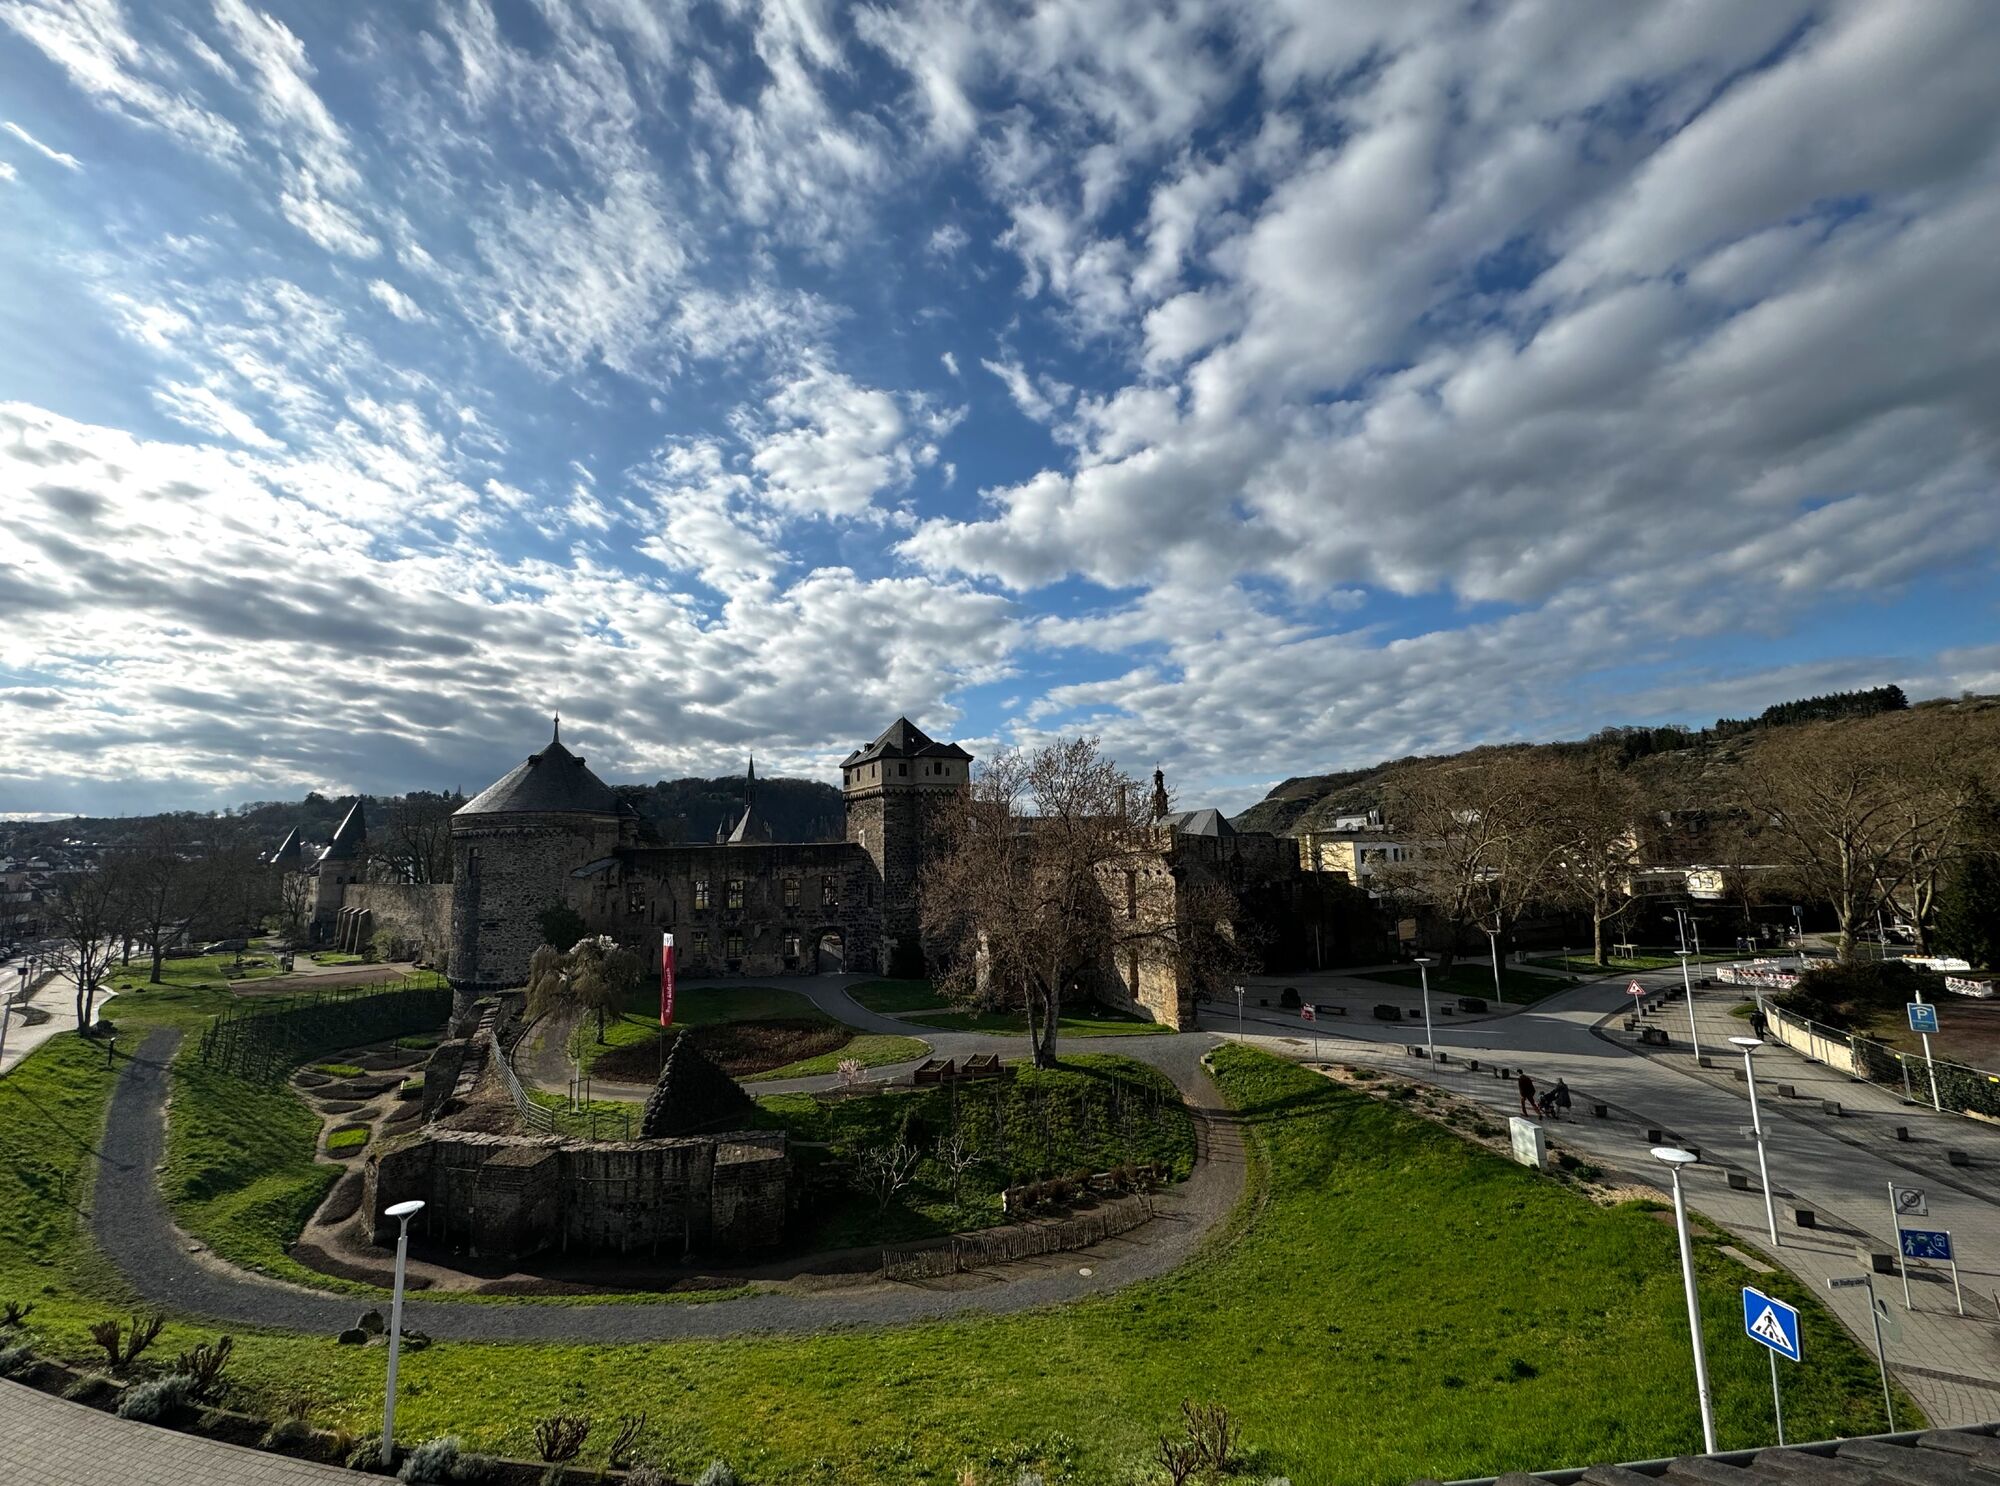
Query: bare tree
x,y
1014,897
1836,811
1940,771
884,1170
1480,832
161,882
1591,810
957,1153
414,844
87,913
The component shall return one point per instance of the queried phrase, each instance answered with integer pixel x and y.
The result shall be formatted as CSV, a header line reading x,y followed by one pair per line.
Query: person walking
x,y
1525,1086
1562,1099
1759,1024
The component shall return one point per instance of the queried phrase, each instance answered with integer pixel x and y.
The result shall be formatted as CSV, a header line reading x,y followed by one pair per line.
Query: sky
x,y
1265,386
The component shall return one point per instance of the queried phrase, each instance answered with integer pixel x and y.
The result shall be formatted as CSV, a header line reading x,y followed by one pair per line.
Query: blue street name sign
x,y
1771,1323
1923,1016
1926,1243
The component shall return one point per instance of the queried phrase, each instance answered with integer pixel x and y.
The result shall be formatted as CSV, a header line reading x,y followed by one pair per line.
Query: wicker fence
x,y
977,1250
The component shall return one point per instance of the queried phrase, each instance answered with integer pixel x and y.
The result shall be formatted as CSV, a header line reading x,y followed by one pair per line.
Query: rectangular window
x,y
791,946
735,946
902,769
791,892
1131,895
700,893
735,891
698,942
829,892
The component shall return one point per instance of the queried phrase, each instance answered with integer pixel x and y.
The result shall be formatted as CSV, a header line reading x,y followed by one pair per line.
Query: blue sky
x,y
1266,386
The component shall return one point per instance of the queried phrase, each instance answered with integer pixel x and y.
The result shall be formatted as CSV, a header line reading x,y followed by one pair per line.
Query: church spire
x,y
556,737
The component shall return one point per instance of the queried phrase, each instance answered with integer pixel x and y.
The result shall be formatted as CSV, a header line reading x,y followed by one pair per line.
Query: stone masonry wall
x,y
787,896
510,1196
418,914
506,870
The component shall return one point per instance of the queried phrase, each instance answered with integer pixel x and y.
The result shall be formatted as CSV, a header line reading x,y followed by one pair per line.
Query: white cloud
x,y
832,445
947,240
1040,398
7,172
67,161
396,302
950,362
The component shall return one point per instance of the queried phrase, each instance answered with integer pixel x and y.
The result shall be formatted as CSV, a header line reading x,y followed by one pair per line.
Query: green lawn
x,y
1468,1316
1475,978
1583,964
199,972
873,1050
891,997
1015,1024
336,957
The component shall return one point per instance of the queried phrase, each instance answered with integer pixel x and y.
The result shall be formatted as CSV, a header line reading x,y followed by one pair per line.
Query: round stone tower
x,y
513,848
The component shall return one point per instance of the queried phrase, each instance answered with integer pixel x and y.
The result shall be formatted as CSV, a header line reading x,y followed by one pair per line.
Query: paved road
x,y
56,996
131,1224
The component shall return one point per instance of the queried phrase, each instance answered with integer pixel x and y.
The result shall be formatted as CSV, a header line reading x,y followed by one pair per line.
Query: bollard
x,y
1958,1158
1602,1111
1655,1135
1902,1132
1787,1091
1830,1106
1802,1217
1739,1181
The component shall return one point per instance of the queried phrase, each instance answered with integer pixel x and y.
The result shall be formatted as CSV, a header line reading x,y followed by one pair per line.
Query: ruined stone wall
x,y
1142,976
787,895
506,869
418,915
510,1196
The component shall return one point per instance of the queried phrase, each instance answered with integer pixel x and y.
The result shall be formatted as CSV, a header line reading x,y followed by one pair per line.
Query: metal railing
x,y
1961,1088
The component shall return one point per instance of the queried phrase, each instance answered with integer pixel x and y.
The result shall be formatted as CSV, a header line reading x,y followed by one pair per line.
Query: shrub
x,y
367,1455
13,1359
150,1402
620,1454
123,1344
204,1364
433,1460
646,1475
14,1315
719,1473
560,1437
286,1434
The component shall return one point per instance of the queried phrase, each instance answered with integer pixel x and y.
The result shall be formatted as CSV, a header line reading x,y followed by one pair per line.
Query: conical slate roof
x,y
693,1095
552,782
288,853
351,839
750,825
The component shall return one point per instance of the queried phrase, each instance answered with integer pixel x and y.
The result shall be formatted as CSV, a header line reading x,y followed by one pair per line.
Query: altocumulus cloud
x,y
1348,382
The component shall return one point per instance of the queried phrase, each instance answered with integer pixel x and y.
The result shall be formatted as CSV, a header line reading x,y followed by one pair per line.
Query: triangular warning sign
x,y
1769,1327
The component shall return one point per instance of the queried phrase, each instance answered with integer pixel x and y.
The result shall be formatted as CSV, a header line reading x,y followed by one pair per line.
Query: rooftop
x,y
904,739
552,782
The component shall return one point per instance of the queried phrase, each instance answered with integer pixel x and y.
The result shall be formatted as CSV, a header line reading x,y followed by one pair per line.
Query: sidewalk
x,y
46,1441
56,996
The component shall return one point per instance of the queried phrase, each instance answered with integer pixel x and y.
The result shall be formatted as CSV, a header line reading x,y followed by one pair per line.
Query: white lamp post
x,y
402,1212
1424,974
1750,1046
1687,987
1493,940
1675,1159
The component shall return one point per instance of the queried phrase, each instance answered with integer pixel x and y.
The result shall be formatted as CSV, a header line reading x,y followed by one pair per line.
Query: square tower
x,y
891,787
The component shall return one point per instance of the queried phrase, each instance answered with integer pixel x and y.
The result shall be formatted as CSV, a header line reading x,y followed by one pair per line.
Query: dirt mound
x,y
344,1201
737,1048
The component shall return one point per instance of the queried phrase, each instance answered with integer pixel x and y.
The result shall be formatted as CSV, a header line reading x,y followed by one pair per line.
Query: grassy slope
x,y
871,1049
1362,1327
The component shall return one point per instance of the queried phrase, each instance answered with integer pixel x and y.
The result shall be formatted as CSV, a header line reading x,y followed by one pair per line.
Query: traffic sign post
x,y
1774,1326
1307,1013
1848,1282
1932,1243
1916,1008
1905,1202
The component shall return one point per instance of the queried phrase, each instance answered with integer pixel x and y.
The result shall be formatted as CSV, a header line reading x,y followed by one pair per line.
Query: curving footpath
x,y
131,1223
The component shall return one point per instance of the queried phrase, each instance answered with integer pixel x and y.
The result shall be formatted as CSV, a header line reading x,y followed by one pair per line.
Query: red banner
x,y
666,980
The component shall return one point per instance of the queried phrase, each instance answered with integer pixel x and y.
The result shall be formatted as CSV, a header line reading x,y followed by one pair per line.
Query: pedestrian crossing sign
x,y
1771,1323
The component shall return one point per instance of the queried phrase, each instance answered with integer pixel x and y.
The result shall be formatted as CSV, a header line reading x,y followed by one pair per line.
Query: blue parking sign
x,y
1923,1016
1771,1323
1926,1243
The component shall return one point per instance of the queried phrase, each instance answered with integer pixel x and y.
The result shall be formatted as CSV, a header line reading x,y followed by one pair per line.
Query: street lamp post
x,y
1239,1013
1493,940
1424,974
1675,1159
1750,1046
402,1212
6,1016
1687,987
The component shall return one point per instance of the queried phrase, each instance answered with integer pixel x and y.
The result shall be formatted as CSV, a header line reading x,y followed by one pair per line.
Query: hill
x,y
1680,766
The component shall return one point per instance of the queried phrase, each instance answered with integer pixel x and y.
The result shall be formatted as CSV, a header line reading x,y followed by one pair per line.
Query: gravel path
x,y
131,1223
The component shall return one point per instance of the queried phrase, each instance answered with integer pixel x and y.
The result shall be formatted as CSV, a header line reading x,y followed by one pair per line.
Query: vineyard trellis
x,y
264,1040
